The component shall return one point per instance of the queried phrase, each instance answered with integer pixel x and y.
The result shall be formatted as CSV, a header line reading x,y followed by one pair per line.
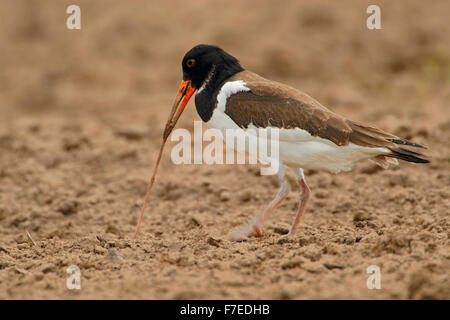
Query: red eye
x,y
190,63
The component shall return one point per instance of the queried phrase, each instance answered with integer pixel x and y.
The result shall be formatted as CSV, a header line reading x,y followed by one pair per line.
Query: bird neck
x,y
206,97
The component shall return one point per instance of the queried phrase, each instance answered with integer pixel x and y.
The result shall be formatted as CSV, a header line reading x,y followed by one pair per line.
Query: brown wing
x,y
269,103
270,110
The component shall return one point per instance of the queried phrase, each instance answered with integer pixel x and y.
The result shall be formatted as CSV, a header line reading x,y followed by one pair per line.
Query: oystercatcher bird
x,y
310,135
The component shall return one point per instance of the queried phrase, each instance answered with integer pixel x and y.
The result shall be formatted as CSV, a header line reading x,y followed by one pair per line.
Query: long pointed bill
x,y
185,92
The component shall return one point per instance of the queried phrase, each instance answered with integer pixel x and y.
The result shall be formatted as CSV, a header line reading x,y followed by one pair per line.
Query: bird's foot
x,y
257,230
291,234
244,231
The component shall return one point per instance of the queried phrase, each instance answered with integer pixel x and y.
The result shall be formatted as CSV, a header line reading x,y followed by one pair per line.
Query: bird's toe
x,y
290,234
244,231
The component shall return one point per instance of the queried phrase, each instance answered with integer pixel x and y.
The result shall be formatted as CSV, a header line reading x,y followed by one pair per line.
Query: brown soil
x,y
81,119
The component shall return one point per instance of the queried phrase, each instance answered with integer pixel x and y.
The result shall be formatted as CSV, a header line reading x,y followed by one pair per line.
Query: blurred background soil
x,y
81,120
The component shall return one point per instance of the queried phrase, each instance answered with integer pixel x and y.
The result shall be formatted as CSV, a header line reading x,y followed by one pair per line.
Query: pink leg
x,y
255,225
304,197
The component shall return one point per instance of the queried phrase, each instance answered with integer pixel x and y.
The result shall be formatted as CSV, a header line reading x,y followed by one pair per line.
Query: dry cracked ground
x,y
81,118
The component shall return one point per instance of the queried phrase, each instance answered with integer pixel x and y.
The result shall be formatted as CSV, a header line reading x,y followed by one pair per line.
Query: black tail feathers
x,y
408,154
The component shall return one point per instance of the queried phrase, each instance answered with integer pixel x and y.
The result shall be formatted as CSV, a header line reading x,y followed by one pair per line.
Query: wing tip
x,y
408,155
405,142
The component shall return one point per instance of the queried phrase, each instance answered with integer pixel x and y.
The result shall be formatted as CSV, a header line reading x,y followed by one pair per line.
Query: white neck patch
x,y
208,78
229,89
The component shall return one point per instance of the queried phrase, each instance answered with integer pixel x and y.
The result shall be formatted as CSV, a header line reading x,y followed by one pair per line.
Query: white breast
x,y
219,119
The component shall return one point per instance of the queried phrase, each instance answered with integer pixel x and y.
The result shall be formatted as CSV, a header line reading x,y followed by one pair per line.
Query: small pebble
x,y
224,196
245,195
213,242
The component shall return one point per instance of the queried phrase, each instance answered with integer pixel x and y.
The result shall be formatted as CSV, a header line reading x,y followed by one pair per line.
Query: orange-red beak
x,y
185,91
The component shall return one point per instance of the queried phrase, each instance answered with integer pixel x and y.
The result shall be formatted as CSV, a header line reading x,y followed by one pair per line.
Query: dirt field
x,y
81,120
